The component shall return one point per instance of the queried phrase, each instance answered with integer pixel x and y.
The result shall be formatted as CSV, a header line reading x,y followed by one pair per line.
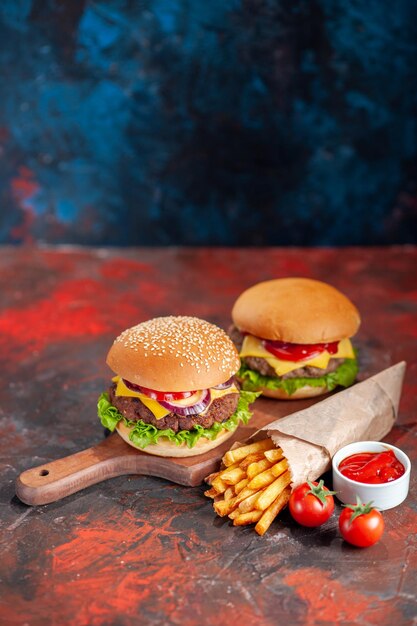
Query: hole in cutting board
x,y
44,472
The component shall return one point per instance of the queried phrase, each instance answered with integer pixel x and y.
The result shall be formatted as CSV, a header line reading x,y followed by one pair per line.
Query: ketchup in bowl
x,y
372,467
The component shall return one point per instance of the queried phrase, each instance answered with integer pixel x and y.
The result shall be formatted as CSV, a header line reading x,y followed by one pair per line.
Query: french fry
x,y
238,454
211,493
272,491
209,479
223,508
248,504
247,518
219,485
278,468
241,485
245,493
262,480
274,455
257,468
253,485
251,458
272,511
229,494
233,476
228,469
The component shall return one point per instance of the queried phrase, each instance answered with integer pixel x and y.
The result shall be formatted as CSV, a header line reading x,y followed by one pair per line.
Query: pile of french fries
x,y
254,485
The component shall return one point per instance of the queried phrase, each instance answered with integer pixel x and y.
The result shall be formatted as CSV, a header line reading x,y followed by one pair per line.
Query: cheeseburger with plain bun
x,y
174,393
293,337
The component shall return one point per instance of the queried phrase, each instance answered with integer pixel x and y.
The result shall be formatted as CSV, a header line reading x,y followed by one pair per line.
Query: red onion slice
x,y
225,385
201,400
158,395
132,386
195,402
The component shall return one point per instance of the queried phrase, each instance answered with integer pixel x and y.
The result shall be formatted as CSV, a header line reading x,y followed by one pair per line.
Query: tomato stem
x,y
319,491
360,508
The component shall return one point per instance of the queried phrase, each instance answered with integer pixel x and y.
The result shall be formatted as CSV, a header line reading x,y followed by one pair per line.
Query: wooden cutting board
x,y
113,457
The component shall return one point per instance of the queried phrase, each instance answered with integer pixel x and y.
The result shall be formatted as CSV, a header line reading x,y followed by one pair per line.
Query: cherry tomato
x,y
360,524
311,504
298,351
164,396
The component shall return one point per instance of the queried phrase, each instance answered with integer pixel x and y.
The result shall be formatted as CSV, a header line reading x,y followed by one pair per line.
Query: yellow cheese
x,y
219,393
154,406
252,346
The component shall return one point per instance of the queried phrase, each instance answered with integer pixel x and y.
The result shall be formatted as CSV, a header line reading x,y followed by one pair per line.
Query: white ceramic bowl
x,y
384,496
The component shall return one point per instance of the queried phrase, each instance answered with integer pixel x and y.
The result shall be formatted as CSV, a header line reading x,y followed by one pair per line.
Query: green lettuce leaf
x,y
344,375
142,434
108,413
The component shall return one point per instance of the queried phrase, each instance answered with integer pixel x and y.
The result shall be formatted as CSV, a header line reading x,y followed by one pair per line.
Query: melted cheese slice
x,y
157,410
252,346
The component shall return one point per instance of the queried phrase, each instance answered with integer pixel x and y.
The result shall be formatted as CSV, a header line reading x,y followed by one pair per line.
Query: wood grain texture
x,y
113,457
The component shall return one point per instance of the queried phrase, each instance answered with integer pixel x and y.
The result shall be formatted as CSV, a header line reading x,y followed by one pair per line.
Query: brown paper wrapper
x,y
366,411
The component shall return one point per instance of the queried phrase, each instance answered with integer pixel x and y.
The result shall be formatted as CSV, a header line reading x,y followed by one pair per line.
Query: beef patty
x,y
262,366
133,409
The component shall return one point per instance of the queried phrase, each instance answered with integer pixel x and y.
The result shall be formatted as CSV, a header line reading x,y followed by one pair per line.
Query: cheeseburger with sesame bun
x,y
174,393
293,337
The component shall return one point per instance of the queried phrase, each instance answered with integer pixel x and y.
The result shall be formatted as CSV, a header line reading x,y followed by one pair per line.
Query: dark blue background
x,y
208,121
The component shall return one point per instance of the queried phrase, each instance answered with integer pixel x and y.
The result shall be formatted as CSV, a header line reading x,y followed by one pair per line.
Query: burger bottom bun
x,y
167,448
303,392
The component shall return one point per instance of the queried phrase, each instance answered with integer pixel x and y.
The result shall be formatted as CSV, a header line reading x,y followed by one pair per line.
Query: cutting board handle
x,y
57,479
114,457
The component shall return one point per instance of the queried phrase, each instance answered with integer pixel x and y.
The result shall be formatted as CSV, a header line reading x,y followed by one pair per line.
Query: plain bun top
x,y
174,354
297,310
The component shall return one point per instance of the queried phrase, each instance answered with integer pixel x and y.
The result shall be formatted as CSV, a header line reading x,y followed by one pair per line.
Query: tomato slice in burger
x,y
161,396
166,396
298,351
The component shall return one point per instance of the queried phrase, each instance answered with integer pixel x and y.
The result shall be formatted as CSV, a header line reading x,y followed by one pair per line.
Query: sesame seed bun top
x,y
174,354
297,310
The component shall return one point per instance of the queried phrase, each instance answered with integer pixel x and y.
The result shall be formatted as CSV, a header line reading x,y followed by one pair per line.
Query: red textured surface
x,y
139,549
